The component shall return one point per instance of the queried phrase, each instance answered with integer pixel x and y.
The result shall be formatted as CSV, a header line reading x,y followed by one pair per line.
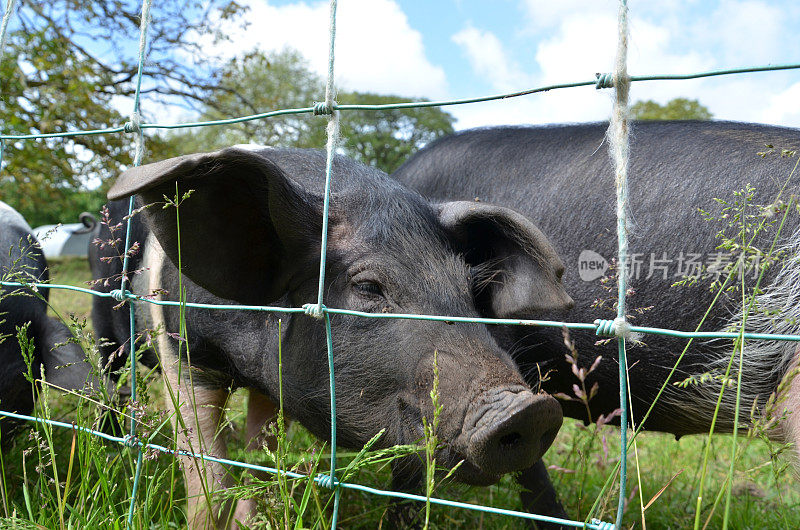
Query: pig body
x,y
21,260
250,234
561,178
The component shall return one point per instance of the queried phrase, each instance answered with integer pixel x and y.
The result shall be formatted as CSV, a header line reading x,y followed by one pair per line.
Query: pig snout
x,y
510,428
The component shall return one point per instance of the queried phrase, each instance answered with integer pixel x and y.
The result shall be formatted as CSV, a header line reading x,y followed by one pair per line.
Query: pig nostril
x,y
512,430
547,439
509,440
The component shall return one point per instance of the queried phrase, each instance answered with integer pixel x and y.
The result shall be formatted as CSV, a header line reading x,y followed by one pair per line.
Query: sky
x,y
445,49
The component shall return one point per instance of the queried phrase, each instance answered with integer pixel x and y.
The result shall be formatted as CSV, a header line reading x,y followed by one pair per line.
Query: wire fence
x,y
618,328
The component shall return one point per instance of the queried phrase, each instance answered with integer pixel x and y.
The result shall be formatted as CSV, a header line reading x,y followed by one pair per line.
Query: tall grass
x,y
60,478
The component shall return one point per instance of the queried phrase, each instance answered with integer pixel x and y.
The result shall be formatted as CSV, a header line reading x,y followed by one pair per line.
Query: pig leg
x,y
538,495
198,412
202,413
260,412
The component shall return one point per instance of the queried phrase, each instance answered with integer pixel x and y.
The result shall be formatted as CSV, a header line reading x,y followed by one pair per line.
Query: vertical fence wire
x,y
333,134
135,128
10,5
618,148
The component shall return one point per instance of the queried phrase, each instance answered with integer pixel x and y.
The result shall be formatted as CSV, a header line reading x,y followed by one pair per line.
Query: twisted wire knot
x,y
618,327
315,310
327,481
320,107
134,124
603,526
604,81
130,441
605,328
119,295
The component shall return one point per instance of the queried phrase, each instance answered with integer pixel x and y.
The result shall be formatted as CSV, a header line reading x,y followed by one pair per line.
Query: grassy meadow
x,y
59,478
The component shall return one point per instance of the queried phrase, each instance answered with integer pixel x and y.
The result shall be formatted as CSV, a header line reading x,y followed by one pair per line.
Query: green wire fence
x,y
611,328
600,81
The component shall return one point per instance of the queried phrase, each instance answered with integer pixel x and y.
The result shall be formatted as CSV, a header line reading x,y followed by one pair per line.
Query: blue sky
x,y
464,48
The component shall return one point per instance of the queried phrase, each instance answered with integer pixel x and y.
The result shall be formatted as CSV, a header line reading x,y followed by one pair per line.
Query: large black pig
x,y
250,233
561,178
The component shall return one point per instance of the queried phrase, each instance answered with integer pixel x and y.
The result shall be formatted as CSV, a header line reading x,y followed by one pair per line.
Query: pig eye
x,y
368,288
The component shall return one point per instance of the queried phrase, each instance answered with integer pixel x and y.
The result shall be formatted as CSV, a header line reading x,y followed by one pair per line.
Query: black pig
x,y
561,178
65,365
250,233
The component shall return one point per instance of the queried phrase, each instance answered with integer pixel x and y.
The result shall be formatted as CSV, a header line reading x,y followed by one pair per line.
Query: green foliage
x,y
386,138
42,177
674,109
63,80
431,440
253,84
66,64
259,82
71,270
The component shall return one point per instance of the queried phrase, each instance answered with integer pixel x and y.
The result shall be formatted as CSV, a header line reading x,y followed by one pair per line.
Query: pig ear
x,y
518,271
246,228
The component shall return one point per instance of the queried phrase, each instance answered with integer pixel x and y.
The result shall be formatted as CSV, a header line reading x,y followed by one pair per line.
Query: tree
x,y
259,82
674,109
256,83
66,64
385,138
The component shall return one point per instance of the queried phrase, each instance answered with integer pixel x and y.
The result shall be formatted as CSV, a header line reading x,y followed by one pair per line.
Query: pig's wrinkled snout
x,y
510,429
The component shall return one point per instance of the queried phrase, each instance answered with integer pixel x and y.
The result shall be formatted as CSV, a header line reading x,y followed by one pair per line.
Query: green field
x,y
58,479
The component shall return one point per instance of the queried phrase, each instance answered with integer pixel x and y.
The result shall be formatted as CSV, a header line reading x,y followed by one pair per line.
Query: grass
x,y
71,271
55,478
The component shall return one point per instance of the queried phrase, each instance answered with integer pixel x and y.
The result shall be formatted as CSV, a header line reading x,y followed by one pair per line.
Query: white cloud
x,y
582,45
371,53
746,32
547,13
377,50
735,33
488,59
782,107
576,38
562,59
587,44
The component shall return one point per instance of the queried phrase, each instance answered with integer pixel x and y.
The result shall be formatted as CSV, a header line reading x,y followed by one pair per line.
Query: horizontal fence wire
x,y
600,327
600,81
320,478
